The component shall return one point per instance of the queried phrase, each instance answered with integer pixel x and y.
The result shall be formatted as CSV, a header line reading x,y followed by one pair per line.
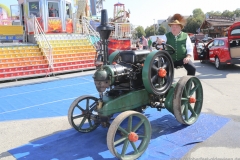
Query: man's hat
x,y
177,19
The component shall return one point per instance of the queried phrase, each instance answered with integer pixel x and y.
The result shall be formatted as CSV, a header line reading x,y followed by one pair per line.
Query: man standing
x,y
150,44
144,42
181,42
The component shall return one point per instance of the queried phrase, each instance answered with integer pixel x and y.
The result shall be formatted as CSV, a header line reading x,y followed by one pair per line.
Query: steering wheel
x,y
163,46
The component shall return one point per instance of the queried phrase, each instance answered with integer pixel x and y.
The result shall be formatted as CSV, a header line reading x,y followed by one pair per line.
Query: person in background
x,y
156,42
150,44
144,42
137,44
181,42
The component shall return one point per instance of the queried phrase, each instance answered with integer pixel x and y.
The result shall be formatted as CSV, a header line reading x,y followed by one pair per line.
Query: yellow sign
x,y
54,25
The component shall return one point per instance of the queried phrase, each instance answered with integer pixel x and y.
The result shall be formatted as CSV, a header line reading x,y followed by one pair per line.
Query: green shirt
x,y
179,44
149,42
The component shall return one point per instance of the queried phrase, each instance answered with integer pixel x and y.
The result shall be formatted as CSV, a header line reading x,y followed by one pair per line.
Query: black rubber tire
x,y
218,64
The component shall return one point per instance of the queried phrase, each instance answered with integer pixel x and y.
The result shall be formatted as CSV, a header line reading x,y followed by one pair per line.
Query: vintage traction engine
x,y
128,82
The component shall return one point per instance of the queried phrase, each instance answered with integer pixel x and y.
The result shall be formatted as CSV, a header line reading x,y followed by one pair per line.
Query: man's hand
x,y
187,59
160,41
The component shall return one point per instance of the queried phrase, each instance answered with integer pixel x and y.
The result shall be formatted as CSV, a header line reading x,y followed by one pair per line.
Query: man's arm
x,y
189,47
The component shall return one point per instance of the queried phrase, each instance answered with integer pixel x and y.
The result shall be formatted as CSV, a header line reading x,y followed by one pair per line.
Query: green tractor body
x,y
128,82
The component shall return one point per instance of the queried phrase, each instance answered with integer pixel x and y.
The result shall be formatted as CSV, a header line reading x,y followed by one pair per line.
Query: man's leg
x,y
178,63
190,67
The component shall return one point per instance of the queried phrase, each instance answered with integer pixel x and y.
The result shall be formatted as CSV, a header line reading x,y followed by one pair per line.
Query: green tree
x,y
198,15
149,31
140,31
227,13
213,13
237,12
194,21
192,25
161,30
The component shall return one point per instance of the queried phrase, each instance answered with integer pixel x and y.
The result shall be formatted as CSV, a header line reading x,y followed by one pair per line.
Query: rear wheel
x,y
218,64
188,100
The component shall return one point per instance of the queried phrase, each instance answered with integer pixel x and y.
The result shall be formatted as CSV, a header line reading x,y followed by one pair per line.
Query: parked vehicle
x,y
221,51
207,39
197,37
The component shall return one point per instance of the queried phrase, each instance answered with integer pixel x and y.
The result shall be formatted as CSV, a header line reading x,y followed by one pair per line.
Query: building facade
x,y
216,26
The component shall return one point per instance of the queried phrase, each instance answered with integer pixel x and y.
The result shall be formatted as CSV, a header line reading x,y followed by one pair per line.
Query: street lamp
x,y
154,25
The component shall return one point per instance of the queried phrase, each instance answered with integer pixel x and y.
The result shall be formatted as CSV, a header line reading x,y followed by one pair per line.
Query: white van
x,y
154,38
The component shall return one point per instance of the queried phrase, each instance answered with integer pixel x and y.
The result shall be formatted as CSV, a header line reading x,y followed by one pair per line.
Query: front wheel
x,y
81,115
158,72
129,135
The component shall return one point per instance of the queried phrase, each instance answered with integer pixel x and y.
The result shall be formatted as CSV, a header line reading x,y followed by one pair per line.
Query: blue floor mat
x,y
169,140
52,99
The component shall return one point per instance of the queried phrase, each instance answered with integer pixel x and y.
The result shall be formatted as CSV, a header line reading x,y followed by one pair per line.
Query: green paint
x,y
169,98
125,102
145,72
112,56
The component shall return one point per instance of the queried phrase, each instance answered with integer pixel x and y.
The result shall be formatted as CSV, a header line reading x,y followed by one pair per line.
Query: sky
x,y
143,12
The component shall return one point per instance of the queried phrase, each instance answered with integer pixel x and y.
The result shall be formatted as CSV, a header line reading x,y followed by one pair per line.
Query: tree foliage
x,y
161,30
149,31
140,31
192,25
198,15
227,13
237,12
194,21
213,13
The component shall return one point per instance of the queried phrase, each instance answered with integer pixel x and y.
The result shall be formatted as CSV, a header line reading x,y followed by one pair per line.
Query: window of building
x,y
53,9
34,9
15,14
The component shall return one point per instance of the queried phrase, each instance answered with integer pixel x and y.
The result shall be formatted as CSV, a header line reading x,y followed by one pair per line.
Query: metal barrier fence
x,y
42,39
121,31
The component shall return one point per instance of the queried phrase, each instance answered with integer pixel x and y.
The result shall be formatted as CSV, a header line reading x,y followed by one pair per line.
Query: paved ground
x,y
221,97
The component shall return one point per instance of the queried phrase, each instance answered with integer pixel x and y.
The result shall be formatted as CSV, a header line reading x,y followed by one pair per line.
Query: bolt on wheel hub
x,y
162,72
192,100
133,137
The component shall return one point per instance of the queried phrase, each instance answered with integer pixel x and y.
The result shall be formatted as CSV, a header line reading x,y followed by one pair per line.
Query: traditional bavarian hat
x,y
177,19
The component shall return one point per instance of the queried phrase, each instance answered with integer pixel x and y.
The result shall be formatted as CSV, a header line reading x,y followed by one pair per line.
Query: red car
x,y
221,51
